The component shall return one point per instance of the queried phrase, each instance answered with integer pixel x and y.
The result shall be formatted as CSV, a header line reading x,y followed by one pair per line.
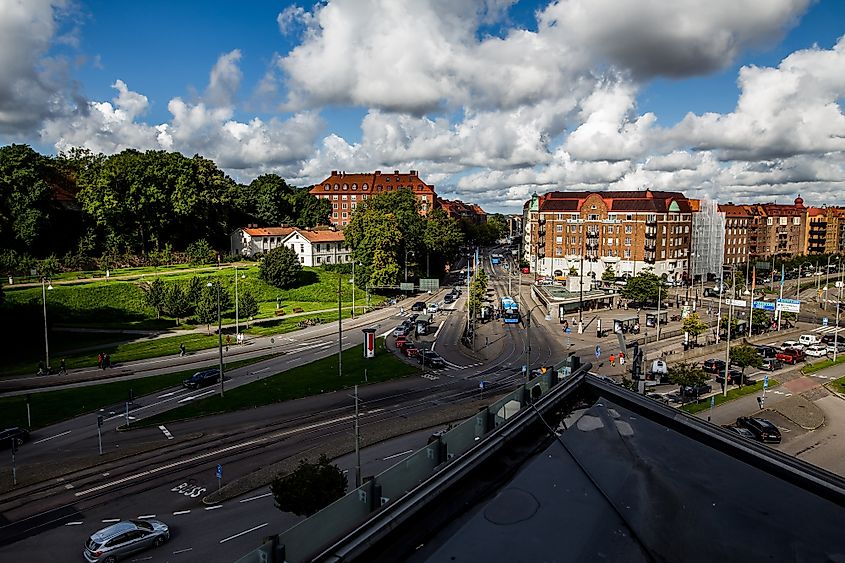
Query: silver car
x,y
125,538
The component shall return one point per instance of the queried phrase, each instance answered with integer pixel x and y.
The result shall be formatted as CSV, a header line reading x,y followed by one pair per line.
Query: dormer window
x,y
354,186
345,187
336,187
364,187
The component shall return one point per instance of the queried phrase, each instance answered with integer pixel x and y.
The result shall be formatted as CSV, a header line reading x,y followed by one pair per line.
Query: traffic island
x,y
800,410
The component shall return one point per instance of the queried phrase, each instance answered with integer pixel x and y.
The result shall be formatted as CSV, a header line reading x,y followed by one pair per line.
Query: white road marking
x,y
192,397
397,455
147,558
215,507
216,453
255,498
111,520
106,474
433,344
258,371
244,532
73,523
68,486
178,512
51,437
166,432
167,395
183,551
145,516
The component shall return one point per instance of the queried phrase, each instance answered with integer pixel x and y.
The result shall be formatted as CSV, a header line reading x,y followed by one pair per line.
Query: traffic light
x,y
99,421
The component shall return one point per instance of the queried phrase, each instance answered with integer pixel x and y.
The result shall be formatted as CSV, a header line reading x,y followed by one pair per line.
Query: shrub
x,y
200,252
281,267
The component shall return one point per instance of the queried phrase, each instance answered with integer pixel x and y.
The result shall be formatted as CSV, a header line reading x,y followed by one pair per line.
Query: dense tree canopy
x,y
644,288
281,267
309,488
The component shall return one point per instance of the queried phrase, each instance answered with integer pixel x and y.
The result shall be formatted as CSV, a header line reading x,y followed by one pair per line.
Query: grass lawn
x,y
838,385
120,304
822,364
310,379
704,404
50,407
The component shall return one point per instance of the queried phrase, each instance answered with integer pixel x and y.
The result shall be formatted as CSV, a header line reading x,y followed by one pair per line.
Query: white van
x,y
809,339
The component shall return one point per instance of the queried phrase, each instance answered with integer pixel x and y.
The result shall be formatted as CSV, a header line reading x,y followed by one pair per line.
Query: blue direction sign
x,y
598,350
219,471
765,382
764,305
825,321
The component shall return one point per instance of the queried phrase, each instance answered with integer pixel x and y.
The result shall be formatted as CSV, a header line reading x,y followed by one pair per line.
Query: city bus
x,y
510,311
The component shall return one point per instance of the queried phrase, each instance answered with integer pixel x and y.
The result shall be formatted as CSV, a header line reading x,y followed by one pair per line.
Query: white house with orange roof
x,y
252,240
318,247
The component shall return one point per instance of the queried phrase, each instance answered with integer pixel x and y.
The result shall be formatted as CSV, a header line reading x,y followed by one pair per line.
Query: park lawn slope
x,y
50,407
311,379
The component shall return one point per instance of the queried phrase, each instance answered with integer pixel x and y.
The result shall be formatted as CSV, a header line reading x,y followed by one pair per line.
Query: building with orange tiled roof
x,y
252,240
318,247
346,191
457,209
630,231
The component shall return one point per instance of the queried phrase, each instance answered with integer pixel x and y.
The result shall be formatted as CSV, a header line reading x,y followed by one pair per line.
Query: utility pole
x,y
838,305
339,330
728,346
353,289
357,443
220,338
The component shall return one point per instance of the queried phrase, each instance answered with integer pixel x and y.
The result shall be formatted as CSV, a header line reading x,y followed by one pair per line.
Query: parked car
x,y
401,342
125,538
790,356
410,349
695,391
412,318
809,339
713,291
202,379
764,430
767,351
816,350
771,364
418,306
713,366
14,435
839,347
791,344
432,359
659,397
740,431
734,376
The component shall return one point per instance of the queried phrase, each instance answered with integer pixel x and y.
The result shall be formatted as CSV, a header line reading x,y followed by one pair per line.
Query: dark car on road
x,y
771,364
764,430
418,306
744,432
432,359
734,376
767,351
695,391
713,366
448,298
202,379
15,435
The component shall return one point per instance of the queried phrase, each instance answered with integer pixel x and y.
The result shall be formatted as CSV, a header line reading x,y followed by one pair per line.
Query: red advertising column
x,y
369,342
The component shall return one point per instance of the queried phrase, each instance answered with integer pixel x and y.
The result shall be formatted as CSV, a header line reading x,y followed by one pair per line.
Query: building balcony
x,y
541,221
542,232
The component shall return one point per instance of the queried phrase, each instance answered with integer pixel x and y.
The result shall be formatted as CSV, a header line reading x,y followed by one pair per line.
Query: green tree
x,y
200,252
608,275
26,199
723,325
272,199
176,303
760,321
694,326
308,211
206,308
280,267
573,271
309,488
686,374
644,288
196,287
247,304
442,237
477,293
745,356
154,295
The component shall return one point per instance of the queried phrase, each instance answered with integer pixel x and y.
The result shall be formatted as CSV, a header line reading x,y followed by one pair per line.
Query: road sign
x,y
765,382
598,350
764,305
737,302
788,305
825,321
219,471
838,284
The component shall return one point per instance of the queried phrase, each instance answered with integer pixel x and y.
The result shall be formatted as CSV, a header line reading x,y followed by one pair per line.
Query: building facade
x,y
252,240
629,231
318,247
457,209
708,239
346,191
737,233
779,229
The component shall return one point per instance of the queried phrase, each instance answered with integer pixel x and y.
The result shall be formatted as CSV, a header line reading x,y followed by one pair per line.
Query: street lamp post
x,y
353,289
219,335
548,317
237,324
44,289
838,305
728,340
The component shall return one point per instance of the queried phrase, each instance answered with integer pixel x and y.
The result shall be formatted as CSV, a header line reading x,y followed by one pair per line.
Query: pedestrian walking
x,y
62,367
621,359
106,361
100,360
182,349
228,339
612,360
103,361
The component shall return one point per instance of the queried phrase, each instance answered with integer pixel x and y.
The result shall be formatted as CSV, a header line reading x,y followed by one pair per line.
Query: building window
x,y
770,221
592,217
334,196
334,215
592,207
318,259
336,187
629,229
344,205
345,215
627,253
629,217
559,228
302,259
345,187
558,251
796,220
782,220
627,241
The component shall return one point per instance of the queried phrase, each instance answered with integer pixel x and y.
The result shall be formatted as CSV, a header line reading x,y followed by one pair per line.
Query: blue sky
x,y
489,100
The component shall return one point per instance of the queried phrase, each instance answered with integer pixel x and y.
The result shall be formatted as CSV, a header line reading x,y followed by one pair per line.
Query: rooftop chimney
x,y
334,172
